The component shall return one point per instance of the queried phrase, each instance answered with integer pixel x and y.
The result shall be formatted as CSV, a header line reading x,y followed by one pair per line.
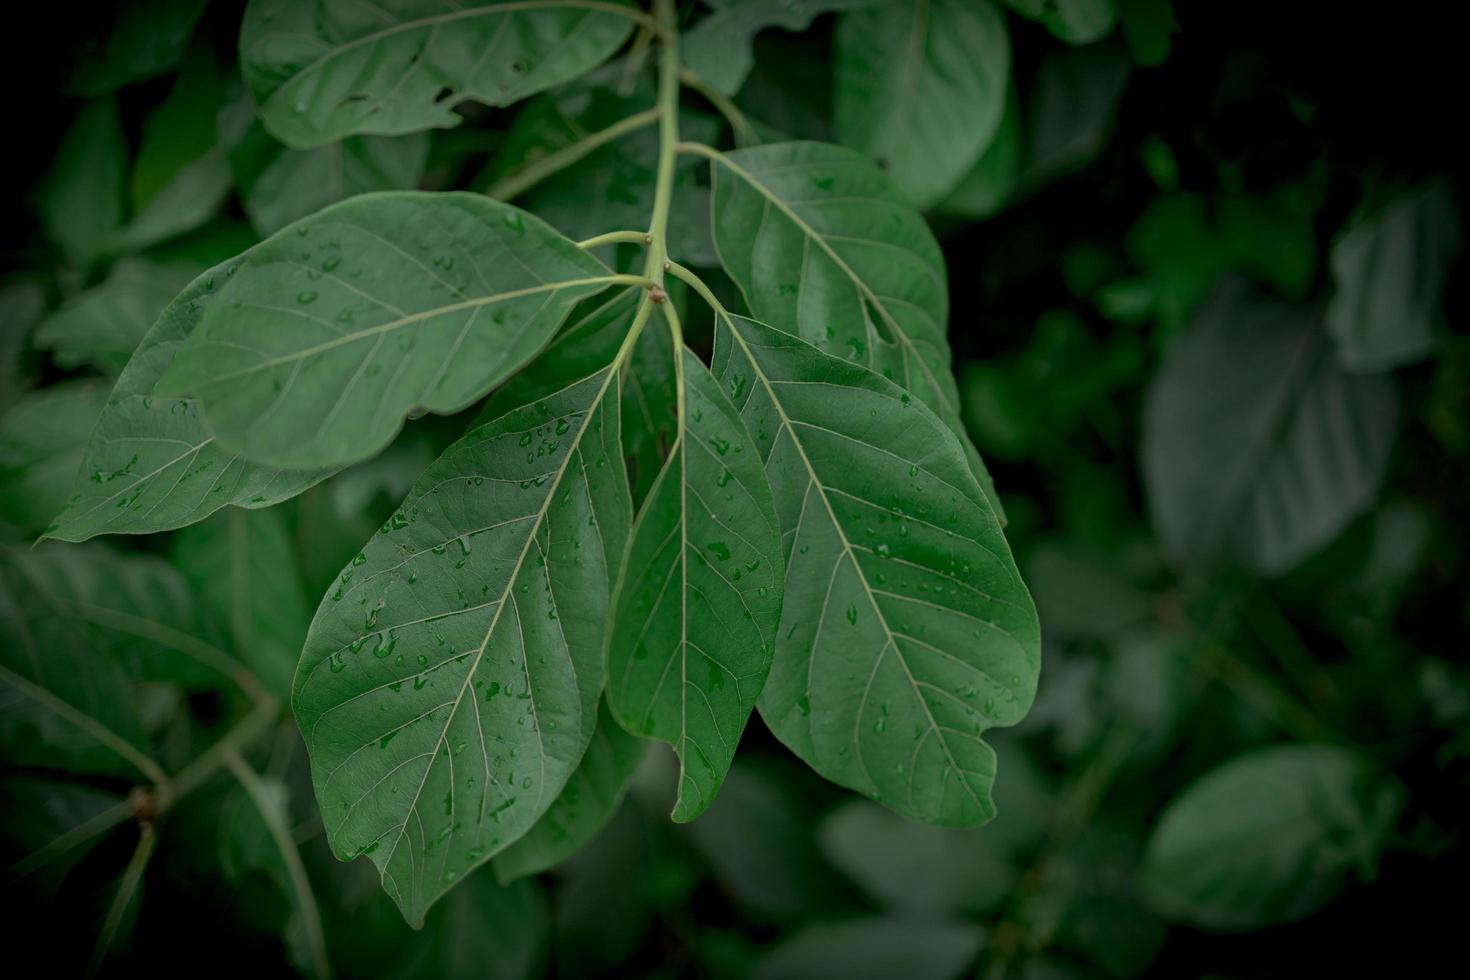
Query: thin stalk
x,y
295,870
697,284
212,759
118,813
668,140
740,126
615,238
126,889
516,184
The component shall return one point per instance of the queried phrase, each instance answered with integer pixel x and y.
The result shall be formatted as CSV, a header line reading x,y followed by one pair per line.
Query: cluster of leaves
x,y
559,500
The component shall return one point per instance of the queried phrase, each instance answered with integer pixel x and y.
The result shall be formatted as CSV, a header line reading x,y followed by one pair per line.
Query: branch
x,y
514,185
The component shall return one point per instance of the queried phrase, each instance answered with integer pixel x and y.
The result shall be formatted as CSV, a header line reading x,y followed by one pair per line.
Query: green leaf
x,y
151,464
172,135
824,246
46,826
1390,273
41,441
332,331
1257,446
61,694
718,48
194,195
143,38
1072,21
449,684
1269,837
906,630
921,88
873,949
279,185
588,801
243,565
104,325
590,339
699,595
322,72
1070,110
22,304
992,182
1148,27
81,199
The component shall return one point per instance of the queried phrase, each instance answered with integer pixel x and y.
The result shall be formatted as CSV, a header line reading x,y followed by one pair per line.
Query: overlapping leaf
x,y
450,681
921,87
104,325
330,333
321,70
718,48
151,463
906,630
824,246
700,594
41,443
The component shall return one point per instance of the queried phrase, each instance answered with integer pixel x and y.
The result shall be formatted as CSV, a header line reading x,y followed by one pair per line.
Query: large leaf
x,y
243,565
587,802
921,88
1270,836
1390,272
279,185
41,441
323,70
328,334
824,246
104,325
993,181
63,702
1257,446
718,48
700,594
151,464
906,630
449,684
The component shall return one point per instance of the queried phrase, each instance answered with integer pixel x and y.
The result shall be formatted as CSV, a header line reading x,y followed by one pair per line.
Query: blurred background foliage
x,y
1208,317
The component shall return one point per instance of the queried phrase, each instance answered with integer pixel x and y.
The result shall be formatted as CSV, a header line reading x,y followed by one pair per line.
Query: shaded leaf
x,y
921,88
449,684
104,325
992,182
906,631
1390,272
873,949
718,48
1073,21
1269,837
1257,446
143,38
1070,110
82,197
699,596
323,71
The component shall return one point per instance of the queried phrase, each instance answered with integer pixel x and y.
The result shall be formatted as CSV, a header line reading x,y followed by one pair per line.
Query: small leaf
x,y
824,246
1390,272
104,325
41,442
588,801
331,332
322,73
906,631
279,185
1257,447
143,38
1269,837
1072,21
873,949
449,684
151,464
700,594
921,88
718,48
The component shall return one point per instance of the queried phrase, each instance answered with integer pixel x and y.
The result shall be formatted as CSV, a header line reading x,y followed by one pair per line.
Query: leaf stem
x,y
120,812
697,284
281,834
740,126
212,759
615,238
126,889
668,139
514,185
